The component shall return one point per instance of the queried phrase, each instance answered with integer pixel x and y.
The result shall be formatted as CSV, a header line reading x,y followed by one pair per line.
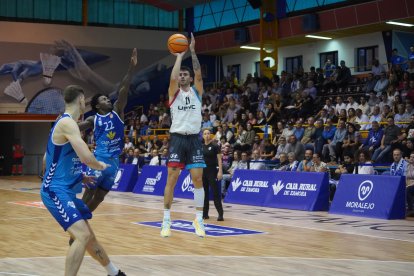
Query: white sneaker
x,y
166,228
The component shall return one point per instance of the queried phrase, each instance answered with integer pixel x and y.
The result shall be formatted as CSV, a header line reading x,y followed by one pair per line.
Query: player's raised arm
x,y
121,102
71,131
198,77
175,75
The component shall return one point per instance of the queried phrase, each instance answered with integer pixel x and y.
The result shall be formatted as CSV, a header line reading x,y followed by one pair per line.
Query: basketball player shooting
x,y
108,128
186,150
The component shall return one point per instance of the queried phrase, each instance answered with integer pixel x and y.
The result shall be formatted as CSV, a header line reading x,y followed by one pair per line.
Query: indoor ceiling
x,y
296,40
171,5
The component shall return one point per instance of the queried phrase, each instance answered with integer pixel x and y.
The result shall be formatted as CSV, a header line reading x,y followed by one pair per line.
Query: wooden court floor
x,y
292,242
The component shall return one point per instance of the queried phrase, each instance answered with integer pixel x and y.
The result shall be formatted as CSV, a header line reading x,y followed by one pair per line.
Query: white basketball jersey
x,y
186,112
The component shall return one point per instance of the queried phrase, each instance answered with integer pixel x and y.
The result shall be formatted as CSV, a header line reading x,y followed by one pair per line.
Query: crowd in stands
x,y
321,120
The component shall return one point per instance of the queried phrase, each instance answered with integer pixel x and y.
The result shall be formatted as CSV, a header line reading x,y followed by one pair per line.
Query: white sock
x,y
199,215
199,202
111,269
167,214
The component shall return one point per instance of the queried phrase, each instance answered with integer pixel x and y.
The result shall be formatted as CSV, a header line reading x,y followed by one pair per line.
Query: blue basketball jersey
x,y
63,166
109,135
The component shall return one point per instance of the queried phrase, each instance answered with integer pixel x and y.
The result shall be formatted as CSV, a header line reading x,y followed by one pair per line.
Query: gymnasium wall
x,y
346,48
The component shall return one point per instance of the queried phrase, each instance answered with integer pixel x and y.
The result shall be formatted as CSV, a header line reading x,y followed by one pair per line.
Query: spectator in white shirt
x,y
339,105
351,104
156,159
364,166
255,162
381,85
362,120
375,116
364,106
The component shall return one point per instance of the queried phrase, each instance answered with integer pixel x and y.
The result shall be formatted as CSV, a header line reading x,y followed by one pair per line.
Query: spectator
x,y
347,167
381,85
351,104
351,118
283,162
244,163
293,163
351,141
288,131
296,147
330,148
268,150
256,163
390,138
282,147
375,116
164,156
156,158
344,75
318,165
129,156
374,138
328,68
401,116
399,166
128,144
362,120
306,164
299,130
309,132
363,166
364,106
377,69
374,100
136,159
339,105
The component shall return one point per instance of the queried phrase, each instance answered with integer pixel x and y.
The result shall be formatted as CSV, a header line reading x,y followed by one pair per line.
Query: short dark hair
x,y
94,102
188,69
72,92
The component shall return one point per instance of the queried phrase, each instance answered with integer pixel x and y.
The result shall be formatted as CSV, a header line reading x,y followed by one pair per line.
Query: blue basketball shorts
x,y
105,179
65,207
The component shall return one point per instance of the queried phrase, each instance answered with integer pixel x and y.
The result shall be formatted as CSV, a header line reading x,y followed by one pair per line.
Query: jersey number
x,y
108,126
187,100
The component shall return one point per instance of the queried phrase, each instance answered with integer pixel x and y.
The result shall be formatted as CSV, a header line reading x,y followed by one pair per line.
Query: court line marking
x,y
226,256
256,221
94,215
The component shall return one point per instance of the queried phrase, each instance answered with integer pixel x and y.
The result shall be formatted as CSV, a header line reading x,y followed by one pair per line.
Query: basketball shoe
x,y
166,228
199,228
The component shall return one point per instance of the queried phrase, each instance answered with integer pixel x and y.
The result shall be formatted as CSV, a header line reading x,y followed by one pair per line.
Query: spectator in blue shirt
x,y
374,138
299,130
397,59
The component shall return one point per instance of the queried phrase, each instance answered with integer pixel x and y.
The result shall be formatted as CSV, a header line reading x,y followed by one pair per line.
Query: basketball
x,y
177,43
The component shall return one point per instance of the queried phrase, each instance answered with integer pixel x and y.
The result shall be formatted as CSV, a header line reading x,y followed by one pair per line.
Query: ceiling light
x,y
399,24
318,37
250,48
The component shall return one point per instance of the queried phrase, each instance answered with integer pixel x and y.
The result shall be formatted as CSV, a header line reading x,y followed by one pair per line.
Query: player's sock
x,y
167,214
199,202
111,269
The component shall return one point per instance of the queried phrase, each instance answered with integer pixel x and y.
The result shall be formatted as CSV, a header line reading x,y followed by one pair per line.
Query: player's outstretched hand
x,y
134,57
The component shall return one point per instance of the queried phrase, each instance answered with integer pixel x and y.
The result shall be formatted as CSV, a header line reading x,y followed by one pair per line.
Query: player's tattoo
x,y
99,253
196,63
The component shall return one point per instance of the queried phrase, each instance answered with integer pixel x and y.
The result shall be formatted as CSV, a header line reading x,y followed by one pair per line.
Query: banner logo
x,y
365,189
186,184
277,187
149,185
236,184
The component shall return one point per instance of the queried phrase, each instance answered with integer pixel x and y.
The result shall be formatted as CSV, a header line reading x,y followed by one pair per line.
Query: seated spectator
x,y
306,164
363,166
401,116
257,144
332,116
362,120
128,144
293,163
299,130
252,119
136,159
375,116
390,138
283,163
165,121
374,138
309,132
282,147
351,141
351,117
409,180
381,85
399,166
318,165
206,123
351,104
225,182
344,75
339,105
364,106
387,113
377,69
156,158
373,99
369,84
289,130
256,163
164,156
329,149
129,155
296,147
244,163
268,150
346,167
